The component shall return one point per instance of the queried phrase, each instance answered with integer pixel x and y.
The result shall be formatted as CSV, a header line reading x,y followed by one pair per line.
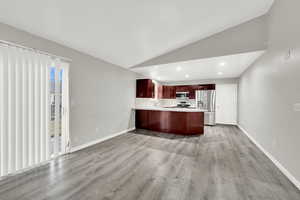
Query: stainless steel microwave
x,y
182,95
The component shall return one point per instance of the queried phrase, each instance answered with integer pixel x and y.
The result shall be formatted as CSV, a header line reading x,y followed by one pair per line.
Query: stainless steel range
x,y
183,99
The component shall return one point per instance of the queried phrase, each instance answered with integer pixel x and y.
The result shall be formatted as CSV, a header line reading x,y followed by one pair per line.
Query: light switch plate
x,y
297,107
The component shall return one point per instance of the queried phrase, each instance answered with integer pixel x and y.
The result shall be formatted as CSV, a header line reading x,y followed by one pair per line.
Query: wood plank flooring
x,y
220,165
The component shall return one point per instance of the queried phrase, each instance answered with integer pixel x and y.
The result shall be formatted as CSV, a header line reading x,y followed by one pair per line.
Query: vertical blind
x,y
25,106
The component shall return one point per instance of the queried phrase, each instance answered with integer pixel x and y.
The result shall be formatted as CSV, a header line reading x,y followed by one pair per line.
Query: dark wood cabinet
x,y
160,91
141,118
145,88
194,88
183,123
166,92
206,87
169,92
182,88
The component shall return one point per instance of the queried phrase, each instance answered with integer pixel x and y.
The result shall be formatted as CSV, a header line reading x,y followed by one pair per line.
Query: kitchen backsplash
x,y
146,102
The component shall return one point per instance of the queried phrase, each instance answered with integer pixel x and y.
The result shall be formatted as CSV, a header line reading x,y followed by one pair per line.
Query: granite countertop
x,y
174,109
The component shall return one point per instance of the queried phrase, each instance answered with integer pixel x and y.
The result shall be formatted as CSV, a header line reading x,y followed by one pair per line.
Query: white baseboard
x,y
276,162
233,124
83,146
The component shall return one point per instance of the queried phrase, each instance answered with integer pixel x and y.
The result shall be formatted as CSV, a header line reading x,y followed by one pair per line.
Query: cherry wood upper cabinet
x,y
145,88
166,92
169,92
206,87
160,91
194,88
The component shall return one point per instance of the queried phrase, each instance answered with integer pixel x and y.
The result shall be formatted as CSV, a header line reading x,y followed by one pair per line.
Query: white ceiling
x,y
231,66
128,32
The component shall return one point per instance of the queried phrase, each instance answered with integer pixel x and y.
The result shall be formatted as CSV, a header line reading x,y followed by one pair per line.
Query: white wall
x,y
102,94
269,89
226,103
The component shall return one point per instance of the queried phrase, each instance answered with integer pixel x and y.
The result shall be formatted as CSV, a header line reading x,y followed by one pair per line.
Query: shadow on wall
x,y
131,123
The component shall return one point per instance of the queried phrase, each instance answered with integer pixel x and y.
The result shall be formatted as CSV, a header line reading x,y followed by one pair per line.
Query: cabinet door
x,y
144,88
181,89
192,91
226,103
140,88
160,90
142,119
172,92
165,92
195,122
168,92
177,122
150,89
194,88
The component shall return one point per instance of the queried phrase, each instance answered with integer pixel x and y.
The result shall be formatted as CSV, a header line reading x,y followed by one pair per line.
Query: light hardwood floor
x,y
221,165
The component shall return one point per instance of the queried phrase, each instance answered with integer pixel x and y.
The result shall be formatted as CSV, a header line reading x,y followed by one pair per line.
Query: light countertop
x,y
174,109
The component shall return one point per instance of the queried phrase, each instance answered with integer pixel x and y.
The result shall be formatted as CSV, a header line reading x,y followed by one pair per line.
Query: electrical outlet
x,y
297,107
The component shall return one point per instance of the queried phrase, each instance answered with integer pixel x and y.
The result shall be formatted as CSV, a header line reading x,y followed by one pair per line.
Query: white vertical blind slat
x,y
25,120
18,97
1,111
31,155
11,112
4,112
37,119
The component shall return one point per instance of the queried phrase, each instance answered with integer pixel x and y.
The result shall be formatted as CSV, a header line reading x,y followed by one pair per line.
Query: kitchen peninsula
x,y
183,121
172,109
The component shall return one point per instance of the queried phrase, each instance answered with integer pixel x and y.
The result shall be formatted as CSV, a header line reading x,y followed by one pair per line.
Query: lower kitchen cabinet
x,y
183,123
141,119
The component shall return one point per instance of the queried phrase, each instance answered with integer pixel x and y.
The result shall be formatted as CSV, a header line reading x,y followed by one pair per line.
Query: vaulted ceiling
x,y
230,66
128,32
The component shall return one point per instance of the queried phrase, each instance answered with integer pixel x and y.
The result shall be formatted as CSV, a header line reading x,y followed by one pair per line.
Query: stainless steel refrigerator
x,y
206,99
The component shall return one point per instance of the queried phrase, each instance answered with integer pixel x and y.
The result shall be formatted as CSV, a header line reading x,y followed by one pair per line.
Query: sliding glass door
x,y
59,120
33,108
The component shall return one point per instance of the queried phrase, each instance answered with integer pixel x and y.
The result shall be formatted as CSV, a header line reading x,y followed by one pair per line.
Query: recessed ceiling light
x,y
158,78
187,76
222,63
220,73
178,68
